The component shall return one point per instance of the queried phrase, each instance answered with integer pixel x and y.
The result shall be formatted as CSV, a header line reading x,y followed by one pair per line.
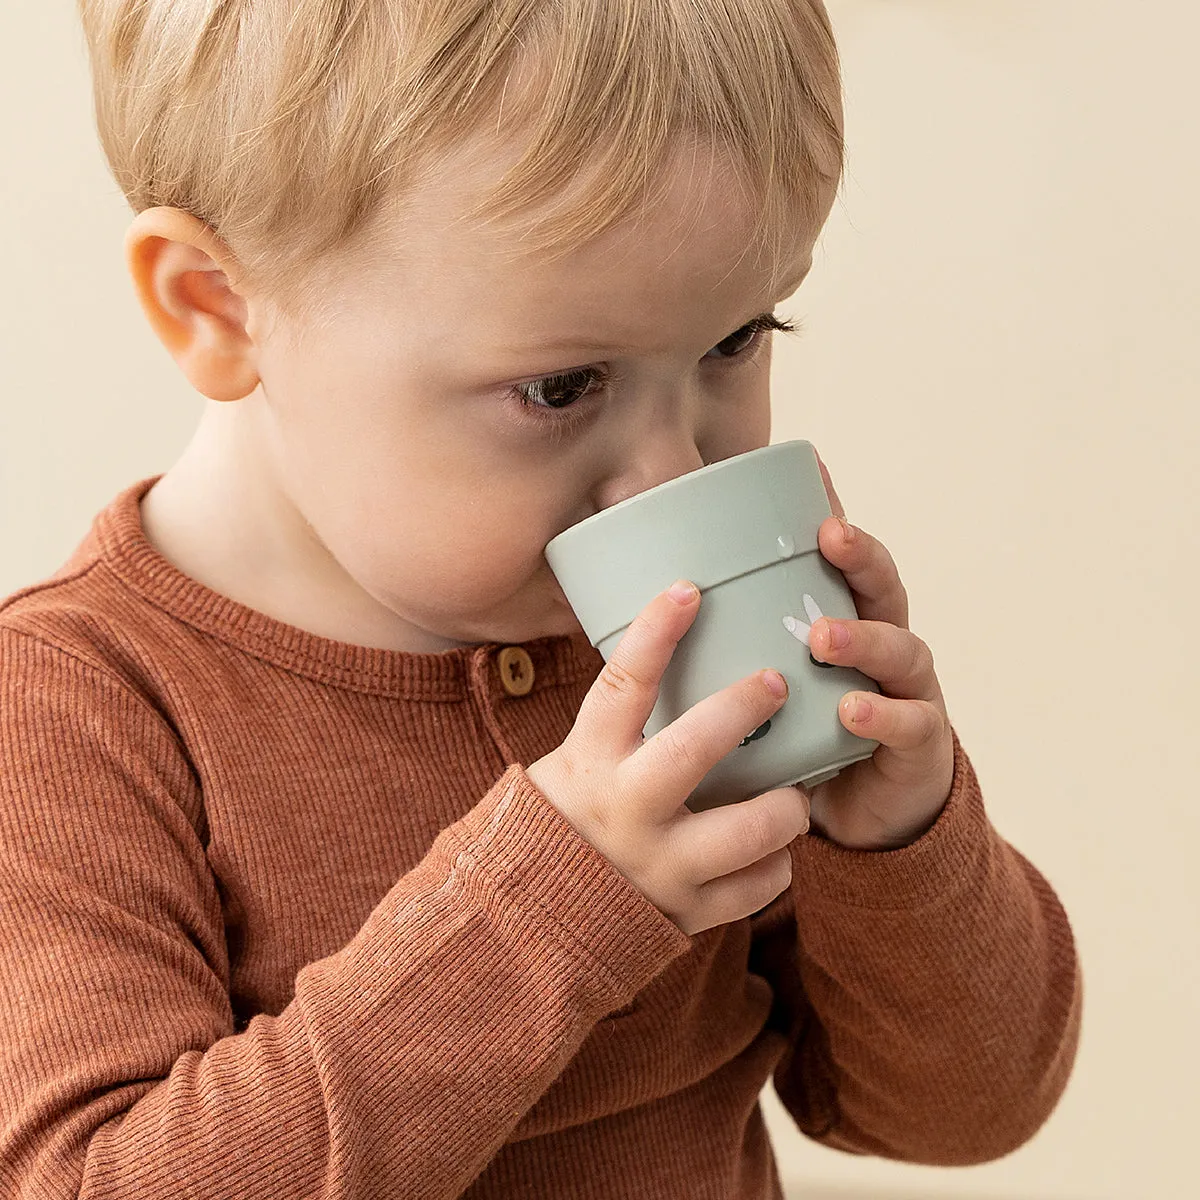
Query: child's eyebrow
x,y
590,343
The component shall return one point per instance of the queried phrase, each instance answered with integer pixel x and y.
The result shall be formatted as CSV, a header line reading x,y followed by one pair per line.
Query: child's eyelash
x,y
593,379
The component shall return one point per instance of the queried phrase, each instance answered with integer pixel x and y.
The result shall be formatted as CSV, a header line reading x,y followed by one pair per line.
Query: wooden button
x,y
516,671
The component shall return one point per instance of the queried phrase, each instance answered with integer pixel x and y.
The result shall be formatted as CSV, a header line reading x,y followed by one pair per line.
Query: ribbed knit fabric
x,y
284,918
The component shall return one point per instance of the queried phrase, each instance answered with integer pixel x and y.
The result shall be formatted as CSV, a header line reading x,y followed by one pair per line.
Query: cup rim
x,y
735,460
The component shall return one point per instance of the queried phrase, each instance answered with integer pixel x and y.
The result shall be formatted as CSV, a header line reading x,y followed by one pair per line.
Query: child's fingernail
x,y
847,530
776,683
858,709
839,635
682,592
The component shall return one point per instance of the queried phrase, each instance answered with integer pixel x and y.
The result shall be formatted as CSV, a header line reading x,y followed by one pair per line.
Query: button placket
x,y
481,692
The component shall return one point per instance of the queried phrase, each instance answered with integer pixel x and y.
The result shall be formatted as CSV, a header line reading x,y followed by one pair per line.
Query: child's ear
x,y
182,273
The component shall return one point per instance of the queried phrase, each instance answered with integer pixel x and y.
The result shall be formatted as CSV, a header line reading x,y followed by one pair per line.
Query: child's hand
x,y
625,793
891,798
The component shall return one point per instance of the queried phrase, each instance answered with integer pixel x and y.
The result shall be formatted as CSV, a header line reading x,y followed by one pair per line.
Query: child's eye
x,y
736,343
555,399
560,391
742,339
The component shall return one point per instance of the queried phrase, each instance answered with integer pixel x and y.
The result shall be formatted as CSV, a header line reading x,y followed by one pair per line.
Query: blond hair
x,y
285,125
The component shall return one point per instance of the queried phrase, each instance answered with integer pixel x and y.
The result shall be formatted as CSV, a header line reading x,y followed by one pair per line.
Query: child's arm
x,y
930,995
402,1063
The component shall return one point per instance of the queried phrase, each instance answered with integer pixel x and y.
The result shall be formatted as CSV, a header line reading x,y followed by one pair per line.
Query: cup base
x,y
811,781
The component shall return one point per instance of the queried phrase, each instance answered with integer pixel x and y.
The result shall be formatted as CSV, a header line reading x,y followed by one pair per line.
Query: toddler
x,y
335,861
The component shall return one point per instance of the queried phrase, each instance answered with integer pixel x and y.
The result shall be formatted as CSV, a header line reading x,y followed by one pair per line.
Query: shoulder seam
x,y
49,585
107,676
112,681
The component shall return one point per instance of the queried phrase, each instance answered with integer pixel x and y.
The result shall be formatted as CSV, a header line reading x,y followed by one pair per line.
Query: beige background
x,y
999,371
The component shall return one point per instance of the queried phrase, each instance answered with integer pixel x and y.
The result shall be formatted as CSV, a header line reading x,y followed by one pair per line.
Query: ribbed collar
x,y
125,549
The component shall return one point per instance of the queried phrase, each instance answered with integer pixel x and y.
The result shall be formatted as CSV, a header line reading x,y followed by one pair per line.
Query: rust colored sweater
x,y
283,917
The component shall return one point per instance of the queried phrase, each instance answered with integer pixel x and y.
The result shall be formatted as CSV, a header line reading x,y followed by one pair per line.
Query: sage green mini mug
x,y
744,531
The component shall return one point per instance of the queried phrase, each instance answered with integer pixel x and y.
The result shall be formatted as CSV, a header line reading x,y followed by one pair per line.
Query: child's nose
x,y
653,460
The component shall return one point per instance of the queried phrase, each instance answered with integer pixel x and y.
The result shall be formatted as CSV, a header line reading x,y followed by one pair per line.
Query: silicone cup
x,y
744,530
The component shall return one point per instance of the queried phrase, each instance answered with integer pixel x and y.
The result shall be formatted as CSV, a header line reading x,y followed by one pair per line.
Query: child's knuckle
x,y
757,833
933,724
920,658
684,753
618,680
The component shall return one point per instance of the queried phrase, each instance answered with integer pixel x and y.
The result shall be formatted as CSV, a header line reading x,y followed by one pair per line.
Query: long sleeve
x,y
403,1061
931,995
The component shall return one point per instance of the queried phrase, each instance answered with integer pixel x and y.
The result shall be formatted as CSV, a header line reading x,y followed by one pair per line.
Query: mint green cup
x,y
744,530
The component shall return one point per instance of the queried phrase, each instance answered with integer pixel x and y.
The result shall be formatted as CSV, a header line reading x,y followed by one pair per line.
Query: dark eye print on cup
x,y
800,631
761,731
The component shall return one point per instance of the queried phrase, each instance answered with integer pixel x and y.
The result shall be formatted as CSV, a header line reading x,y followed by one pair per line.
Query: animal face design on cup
x,y
800,631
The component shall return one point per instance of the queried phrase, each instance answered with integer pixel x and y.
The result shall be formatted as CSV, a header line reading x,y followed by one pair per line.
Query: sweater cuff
x,y
937,864
535,857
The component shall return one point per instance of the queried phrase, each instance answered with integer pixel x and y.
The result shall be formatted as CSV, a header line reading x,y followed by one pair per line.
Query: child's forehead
x,y
696,201
635,291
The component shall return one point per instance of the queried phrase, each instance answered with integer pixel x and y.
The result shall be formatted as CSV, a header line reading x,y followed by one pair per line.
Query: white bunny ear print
x,y
797,628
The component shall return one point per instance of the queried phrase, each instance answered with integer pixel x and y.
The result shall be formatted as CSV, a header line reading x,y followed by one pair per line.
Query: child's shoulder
x,y
84,611
65,610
